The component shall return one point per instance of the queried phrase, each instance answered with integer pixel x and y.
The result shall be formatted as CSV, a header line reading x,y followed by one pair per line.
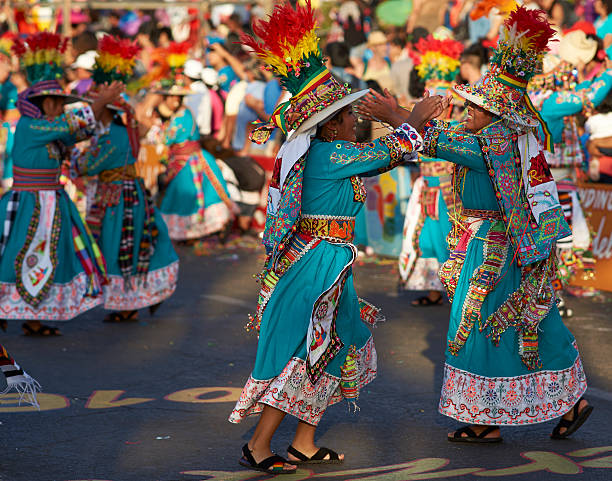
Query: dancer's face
x,y
173,102
477,118
344,125
53,106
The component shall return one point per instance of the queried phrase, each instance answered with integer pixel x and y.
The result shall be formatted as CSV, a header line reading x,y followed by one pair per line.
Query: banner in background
x,y
596,202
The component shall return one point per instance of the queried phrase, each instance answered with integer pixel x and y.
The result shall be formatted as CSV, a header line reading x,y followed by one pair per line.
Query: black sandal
x,y
425,301
42,331
572,426
272,465
317,458
117,317
472,437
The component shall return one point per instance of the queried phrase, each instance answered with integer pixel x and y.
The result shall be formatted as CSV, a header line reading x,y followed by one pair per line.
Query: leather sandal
x,y
572,426
472,437
317,458
42,331
117,317
271,465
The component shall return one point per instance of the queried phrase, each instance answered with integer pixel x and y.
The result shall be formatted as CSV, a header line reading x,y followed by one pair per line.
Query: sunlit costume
x,y
510,359
427,223
195,202
141,262
559,97
314,345
50,266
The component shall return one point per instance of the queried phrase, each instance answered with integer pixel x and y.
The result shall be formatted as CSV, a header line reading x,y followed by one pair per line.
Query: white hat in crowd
x,y
86,60
193,69
210,76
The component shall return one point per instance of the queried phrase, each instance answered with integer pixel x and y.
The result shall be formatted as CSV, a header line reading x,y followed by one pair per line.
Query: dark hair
x,y
600,53
147,28
476,50
416,86
158,33
338,53
399,41
84,42
606,106
417,34
607,4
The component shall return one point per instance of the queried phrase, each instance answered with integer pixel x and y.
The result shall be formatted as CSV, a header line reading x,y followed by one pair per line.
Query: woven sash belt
x,y
331,228
482,214
36,179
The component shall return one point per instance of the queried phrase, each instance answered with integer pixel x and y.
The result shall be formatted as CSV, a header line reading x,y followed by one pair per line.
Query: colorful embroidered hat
x,y
41,58
438,63
521,46
175,56
289,47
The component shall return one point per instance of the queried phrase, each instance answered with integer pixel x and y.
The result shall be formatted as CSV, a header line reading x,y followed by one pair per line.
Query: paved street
x,y
149,401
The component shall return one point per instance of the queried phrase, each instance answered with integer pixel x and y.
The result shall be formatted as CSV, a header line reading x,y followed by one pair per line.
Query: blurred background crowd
x,y
368,45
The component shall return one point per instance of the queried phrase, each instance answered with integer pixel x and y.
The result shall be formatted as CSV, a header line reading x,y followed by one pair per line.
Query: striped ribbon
x,y
36,179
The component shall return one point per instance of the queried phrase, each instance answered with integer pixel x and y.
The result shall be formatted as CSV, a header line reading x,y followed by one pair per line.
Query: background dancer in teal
x,y
510,359
314,345
427,223
195,201
50,267
141,263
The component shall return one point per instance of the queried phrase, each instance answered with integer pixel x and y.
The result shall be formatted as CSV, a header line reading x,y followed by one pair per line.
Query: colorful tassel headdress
x,y
174,58
438,63
115,61
289,47
523,42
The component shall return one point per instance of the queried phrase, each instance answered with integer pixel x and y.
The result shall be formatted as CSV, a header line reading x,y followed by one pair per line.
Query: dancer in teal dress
x,y
314,347
195,200
141,262
50,267
510,359
560,97
427,222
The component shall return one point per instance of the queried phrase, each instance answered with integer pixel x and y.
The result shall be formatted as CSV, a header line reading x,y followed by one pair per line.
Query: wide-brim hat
x,y
500,99
327,113
576,48
68,98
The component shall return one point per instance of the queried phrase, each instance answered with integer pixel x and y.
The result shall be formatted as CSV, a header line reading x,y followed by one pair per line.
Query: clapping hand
x,y
428,108
380,108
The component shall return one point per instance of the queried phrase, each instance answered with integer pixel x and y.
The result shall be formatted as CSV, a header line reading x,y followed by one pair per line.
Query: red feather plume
x,y
534,23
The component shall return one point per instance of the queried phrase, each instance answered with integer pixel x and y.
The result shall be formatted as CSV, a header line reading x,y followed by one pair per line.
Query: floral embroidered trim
x,y
495,250
360,192
369,153
292,392
181,227
529,399
34,301
62,303
335,229
159,285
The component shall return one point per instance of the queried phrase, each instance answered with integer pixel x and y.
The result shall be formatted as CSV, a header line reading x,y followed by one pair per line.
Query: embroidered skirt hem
x,y
424,276
183,227
159,286
527,399
292,392
63,302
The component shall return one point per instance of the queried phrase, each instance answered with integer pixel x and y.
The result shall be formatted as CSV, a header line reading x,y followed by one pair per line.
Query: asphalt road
x,y
149,401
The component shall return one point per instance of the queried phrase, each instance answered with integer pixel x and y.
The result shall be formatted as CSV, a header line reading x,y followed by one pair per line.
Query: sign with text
x,y
596,202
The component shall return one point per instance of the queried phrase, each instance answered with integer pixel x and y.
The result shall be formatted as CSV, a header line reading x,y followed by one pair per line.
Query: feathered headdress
x,y
522,43
439,59
288,45
172,61
41,56
115,61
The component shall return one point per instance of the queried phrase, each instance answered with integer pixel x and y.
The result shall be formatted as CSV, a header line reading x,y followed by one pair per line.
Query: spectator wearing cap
x,y
83,68
199,101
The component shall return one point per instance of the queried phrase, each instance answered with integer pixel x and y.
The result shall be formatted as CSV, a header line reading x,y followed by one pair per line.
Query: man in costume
x,y
50,267
140,259
314,347
560,96
427,223
510,359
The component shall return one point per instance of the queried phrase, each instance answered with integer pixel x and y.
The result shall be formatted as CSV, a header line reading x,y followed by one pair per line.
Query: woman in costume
x,y
140,259
427,223
195,200
560,97
510,359
50,267
313,349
